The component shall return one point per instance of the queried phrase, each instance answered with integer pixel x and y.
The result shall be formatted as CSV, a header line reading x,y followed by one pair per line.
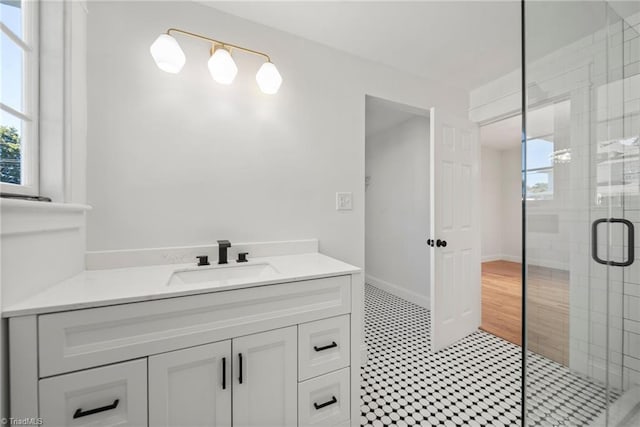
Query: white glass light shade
x,y
268,78
167,54
222,67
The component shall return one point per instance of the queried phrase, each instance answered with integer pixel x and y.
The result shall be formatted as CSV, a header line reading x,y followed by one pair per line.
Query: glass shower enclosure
x,y
581,209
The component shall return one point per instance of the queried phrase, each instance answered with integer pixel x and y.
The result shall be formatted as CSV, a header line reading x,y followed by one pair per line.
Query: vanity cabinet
x,y
110,395
265,384
324,400
323,346
282,354
191,387
196,386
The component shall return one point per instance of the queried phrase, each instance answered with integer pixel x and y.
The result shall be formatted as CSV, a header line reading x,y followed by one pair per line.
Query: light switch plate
x,y
344,201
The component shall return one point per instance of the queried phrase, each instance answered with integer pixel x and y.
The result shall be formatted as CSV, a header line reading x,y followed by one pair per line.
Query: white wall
x,y
491,203
180,160
397,210
501,204
40,244
511,180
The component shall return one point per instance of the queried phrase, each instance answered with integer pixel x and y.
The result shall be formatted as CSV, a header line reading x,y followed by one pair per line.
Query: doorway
x,y
397,206
421,233
548,179
501,217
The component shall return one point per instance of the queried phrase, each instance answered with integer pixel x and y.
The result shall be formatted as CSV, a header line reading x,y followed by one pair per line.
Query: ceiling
x,y
437,40
466,43
382,114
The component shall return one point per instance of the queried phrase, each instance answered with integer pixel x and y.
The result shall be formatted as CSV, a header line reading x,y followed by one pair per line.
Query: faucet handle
x,y
203,260
242,257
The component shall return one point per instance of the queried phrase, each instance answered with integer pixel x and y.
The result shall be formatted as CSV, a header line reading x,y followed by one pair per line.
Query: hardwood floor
x,y
548,313
547,307
501,300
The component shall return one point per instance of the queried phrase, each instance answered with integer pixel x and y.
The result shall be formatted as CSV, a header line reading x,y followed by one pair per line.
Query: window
x,y
540,160
548,148
19,96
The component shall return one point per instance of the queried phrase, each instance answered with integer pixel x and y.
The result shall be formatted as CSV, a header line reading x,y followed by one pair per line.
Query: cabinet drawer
x,y
92,337
323,346
324,400
108,396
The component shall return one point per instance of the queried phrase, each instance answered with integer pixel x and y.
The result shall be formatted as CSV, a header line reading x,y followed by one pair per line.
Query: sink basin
x,y
222,275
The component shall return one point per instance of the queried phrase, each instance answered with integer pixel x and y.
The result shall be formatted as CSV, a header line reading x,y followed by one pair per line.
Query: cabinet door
x,y
191,387
114,395
265,379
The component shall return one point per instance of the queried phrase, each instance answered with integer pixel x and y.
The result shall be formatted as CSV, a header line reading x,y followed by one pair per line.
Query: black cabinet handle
x,y
80,413
430,242
240,368
326,347
224,373
327,403
442,243
630,242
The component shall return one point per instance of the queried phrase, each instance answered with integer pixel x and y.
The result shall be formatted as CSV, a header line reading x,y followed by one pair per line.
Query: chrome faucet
x,y
223,245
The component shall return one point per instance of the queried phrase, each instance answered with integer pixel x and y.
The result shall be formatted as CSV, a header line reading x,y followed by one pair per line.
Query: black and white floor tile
x,y
475,382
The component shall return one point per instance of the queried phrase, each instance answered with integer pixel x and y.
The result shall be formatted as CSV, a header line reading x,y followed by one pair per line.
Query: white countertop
x,y
96,288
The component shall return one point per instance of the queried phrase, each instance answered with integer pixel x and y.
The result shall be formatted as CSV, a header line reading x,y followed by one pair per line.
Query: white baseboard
x,y
548,264
534,262
530,261
398,291
364,354
511,258
501,257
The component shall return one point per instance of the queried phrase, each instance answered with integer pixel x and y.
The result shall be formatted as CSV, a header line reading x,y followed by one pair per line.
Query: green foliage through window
x,y
10,161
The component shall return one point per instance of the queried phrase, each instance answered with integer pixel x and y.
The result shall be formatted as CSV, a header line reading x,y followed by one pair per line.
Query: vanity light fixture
x,y
169,57
221,65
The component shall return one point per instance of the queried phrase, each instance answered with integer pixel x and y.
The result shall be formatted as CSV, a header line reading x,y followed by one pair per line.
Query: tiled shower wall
x,y
618,125
631,275
600,76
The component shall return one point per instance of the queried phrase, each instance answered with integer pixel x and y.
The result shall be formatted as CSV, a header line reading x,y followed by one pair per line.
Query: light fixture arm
x,y
218,42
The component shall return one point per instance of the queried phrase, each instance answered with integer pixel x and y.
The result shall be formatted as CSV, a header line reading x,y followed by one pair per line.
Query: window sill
x,y
27,216
7,203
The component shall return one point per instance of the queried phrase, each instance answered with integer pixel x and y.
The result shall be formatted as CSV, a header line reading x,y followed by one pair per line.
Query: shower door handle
x,y
594,241
630,242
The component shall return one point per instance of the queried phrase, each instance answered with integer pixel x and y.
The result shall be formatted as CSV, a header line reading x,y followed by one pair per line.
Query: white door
x,y
455,229
265,383
191,387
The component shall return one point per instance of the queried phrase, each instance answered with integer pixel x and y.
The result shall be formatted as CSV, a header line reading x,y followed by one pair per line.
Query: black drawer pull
x,y
327,403
239,368
326,347
80,413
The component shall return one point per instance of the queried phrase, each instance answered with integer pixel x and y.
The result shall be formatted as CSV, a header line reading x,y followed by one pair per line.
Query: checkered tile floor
x,y
475,382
